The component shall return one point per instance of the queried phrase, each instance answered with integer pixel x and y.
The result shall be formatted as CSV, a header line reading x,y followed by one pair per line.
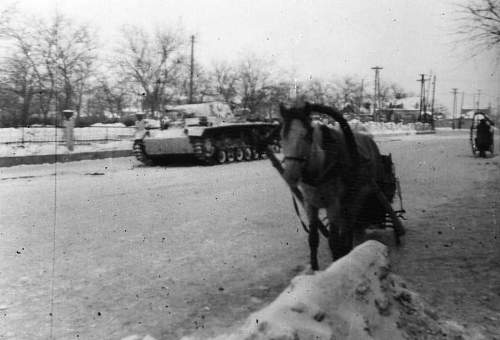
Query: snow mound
x,y
355,298
108,125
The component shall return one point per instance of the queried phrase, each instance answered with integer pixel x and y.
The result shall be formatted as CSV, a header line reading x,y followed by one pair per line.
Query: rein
x,y
293,158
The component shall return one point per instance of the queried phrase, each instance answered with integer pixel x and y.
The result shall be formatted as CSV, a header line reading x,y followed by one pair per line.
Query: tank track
x,y
140,154
226,150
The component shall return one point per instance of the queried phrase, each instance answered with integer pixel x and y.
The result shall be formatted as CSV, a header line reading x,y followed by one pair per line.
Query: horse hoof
x,y
398,240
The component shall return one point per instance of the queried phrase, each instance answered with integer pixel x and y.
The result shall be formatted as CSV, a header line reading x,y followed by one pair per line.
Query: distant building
x,y
469,113
408,103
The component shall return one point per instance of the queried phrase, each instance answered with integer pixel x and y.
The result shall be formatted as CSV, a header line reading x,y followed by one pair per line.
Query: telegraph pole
x,y
192,71
498,110
454,108
428,90
361,94
461,110
376,92
422,96
433,99
478,98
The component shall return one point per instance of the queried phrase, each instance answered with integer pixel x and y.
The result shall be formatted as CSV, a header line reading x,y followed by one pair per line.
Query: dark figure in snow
x,y
484,137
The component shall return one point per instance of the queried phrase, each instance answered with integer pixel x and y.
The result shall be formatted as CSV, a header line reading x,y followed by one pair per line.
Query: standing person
x,y
140,123
69,124
484,137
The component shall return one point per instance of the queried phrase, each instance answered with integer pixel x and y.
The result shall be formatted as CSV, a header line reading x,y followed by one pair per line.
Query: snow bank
x,y
108,125
379,128
355,298
33,149
52,134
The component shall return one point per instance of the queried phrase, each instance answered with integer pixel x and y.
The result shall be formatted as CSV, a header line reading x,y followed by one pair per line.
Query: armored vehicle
x,y
210,132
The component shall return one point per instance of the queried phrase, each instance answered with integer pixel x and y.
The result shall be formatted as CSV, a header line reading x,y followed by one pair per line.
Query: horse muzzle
x,y
292,170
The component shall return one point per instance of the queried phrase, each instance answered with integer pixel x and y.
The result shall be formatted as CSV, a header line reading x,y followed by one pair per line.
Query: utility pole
x,y
422,96
361,94
376,93
428,89
461,110
454,108
478,98
433,99
192,72
498,110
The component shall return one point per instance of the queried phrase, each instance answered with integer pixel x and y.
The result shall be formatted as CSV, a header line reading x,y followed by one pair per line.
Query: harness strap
x,y
293,158
295,206
321,226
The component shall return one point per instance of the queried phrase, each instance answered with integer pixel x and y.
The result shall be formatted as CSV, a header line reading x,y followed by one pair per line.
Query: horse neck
x,y
327,151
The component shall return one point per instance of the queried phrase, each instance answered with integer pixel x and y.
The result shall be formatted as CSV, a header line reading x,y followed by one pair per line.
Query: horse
x,y
337,170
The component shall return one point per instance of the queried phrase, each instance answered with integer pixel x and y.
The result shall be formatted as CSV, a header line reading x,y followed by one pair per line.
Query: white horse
x,y
336,170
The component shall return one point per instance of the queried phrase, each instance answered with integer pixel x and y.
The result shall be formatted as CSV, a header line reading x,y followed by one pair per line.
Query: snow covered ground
x,y
191,250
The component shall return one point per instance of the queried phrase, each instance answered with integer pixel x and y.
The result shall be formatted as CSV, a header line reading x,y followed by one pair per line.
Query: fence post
x,y
22,135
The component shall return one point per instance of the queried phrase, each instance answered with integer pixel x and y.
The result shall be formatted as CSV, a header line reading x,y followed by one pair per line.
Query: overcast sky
x,y
316,38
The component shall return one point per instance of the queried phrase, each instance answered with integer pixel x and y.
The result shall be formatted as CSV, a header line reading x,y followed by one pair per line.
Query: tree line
x,y
57,64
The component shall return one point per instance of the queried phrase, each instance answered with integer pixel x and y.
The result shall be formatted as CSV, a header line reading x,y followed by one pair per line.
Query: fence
x,y
54,134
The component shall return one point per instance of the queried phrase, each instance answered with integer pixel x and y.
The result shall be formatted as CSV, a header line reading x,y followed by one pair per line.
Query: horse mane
x,y
344,126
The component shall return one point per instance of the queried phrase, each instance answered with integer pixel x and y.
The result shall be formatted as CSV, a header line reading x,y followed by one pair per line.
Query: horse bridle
x,y
294,158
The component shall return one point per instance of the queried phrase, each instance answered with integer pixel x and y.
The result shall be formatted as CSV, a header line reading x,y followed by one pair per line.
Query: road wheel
x,y
208,149
255,154
221,156
247,154
239,155
230,155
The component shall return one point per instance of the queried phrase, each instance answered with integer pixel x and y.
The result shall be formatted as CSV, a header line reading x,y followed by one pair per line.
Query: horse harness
x,y
352,177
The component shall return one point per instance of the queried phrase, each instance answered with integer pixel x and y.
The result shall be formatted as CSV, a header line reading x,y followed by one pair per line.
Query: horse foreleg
x,y
340,237
313,239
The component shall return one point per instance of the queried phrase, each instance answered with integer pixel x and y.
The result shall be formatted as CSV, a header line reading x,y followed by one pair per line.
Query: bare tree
x,y
109,95
59,55
349,92
202,84
18,82
224,78
153,62
253,77
480,24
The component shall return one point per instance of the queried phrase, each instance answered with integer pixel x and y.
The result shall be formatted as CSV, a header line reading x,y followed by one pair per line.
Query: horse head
x,y
297,138
296,141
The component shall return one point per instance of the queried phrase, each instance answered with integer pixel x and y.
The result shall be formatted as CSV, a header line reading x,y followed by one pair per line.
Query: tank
x,y
209,132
